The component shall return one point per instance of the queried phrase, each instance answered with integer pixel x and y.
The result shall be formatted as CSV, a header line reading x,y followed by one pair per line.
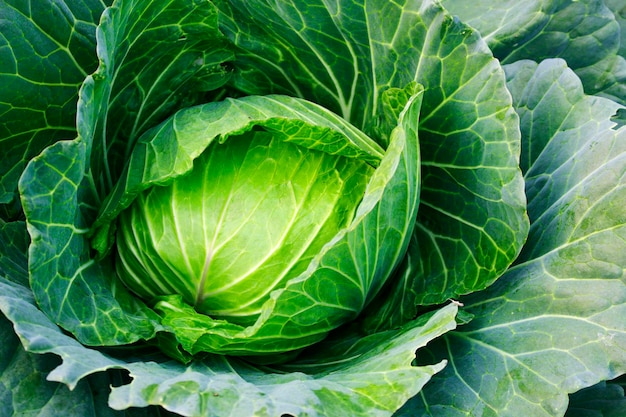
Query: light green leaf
x,y
257,198
46,51
553,324
168,151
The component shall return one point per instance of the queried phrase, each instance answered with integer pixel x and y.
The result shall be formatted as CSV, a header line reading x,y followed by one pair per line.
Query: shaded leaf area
x,y
14,253
372,380
605,399
23,385
584,33
352,58
619,118
46,51
552,324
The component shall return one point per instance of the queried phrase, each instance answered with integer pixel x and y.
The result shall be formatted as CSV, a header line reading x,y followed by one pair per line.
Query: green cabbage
x,y
312,208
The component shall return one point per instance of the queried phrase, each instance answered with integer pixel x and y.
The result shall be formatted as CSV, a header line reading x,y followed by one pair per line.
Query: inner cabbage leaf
x,y
249,216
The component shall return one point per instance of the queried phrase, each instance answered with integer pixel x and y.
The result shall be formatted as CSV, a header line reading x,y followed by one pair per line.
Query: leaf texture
x,y
553,323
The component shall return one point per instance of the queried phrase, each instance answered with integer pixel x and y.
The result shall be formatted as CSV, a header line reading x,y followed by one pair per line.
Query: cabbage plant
x,y
312,208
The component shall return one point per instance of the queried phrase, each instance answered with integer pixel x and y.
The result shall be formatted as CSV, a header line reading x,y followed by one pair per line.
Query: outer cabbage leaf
x,y
471,223
373,382
553,324
584,33
150,54
23,385
46,51
24,388
354,58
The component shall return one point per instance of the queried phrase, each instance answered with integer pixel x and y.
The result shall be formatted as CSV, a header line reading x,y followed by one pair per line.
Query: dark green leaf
x,y
605,399
155,58
47,48
585,33
14,251
24,389
619,10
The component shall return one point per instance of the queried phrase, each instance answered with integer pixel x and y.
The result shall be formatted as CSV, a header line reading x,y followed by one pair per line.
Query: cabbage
x,y
312,208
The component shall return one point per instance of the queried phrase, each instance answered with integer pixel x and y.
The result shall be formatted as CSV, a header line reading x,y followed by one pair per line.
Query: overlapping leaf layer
x,y
479,270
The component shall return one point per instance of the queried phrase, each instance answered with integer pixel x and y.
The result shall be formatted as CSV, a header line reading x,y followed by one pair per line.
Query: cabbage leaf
x,y
552,324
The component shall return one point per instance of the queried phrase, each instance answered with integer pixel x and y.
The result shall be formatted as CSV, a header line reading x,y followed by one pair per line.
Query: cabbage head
x,y
274,222
251,215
